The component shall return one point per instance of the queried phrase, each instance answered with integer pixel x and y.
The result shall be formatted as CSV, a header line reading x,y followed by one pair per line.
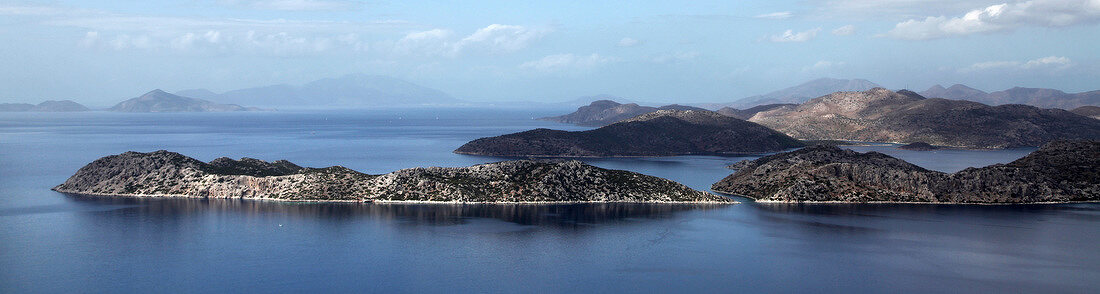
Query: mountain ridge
x,y
1038,97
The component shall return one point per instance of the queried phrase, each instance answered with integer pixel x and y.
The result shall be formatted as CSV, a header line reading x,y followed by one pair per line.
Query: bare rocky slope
x,y
605,112
881,115
1089,111
747,113
660,133
1060,171
164,173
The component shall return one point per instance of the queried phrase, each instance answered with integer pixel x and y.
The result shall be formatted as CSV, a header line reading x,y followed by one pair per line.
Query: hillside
x,y
160,101
660,133
880,115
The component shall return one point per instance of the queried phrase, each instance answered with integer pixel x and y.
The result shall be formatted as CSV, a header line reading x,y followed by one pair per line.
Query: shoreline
x,y
623,156
902,202
915,202
731,202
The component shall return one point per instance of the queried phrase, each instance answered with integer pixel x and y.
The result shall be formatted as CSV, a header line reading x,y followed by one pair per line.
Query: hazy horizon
x,y
101,52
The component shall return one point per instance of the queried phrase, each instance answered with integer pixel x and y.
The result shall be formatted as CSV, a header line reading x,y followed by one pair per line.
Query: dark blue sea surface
x,y
56,243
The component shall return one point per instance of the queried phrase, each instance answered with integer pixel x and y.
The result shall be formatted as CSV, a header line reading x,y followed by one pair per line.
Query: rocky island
x,y
660,133
1061,171
881,115
166,174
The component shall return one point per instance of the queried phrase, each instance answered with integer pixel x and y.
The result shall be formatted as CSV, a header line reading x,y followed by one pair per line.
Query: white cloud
x,y
90,39
566,62
791,36
845,30
430,42
132,42
493,39
297,5
629,42
776,15
1000,17
1045,63
498,38
822,65
895,9
37,10
676,57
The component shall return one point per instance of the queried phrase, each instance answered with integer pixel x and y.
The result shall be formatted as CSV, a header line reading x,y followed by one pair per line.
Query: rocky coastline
x,y
169,174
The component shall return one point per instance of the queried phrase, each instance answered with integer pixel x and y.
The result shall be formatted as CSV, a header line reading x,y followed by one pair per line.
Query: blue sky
x,y
99,52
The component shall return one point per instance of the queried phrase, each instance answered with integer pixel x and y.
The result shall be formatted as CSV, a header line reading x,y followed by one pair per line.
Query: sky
x,y
101,52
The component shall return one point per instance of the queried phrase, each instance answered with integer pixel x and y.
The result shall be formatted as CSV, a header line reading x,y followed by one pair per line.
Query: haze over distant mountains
x,y
798,94
45,106
160,101
1039,97
348,90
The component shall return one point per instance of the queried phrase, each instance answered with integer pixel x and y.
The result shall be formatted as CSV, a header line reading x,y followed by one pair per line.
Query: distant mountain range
x,y
349,90
881,115
46,106
160,101
605,112
1038,97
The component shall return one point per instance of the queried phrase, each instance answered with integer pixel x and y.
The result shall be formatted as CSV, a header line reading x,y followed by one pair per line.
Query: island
x,y
169,174
919,146
881,115
659,133
160,101
1061,171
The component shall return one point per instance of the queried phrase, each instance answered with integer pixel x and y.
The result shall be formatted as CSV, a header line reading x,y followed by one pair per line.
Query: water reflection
x,y
415,214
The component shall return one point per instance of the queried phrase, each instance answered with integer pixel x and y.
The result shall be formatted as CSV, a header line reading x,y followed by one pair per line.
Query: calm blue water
x,y
51,242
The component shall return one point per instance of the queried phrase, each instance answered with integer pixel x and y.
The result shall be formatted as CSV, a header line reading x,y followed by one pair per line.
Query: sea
x,y
56,243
